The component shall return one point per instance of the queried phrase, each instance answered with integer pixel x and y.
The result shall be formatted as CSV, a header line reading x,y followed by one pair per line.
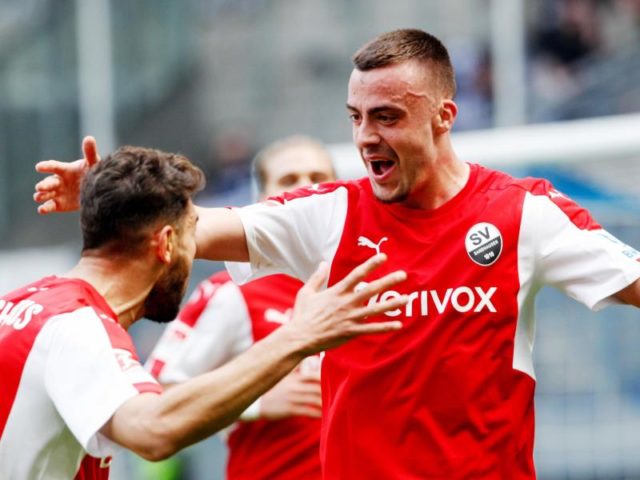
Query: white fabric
x,y
588,265
222,332
71,385
292,238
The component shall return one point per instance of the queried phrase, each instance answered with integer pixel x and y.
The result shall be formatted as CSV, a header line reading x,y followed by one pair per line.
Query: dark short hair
x,y
131,190
408,44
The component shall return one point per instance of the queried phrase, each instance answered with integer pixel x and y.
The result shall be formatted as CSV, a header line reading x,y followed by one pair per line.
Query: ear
x,y
446,116
164,243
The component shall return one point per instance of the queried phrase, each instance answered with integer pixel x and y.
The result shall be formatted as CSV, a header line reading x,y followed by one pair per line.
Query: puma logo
x,y
365,242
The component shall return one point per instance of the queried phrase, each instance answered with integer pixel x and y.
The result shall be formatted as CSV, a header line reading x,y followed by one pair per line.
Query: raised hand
x,y
327,318
297,394
60,191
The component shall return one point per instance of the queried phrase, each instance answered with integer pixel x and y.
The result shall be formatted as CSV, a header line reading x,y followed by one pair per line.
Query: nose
x,y
303,181
365,134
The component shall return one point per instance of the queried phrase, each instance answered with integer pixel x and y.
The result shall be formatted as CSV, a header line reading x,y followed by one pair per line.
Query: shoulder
x,y
270,286
539,192
323,189
496,180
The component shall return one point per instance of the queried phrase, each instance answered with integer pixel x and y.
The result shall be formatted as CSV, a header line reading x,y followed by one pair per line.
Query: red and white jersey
x,y
220,321
67,365
450,395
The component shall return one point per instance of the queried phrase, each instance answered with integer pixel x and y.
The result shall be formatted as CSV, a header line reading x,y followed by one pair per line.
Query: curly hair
x,y
132,190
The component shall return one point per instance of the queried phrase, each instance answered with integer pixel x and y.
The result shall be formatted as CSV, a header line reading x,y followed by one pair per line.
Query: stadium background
x,y
546,87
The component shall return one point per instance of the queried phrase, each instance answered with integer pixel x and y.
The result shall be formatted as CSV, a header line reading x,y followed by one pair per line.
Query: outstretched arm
x,y
219,235
157,426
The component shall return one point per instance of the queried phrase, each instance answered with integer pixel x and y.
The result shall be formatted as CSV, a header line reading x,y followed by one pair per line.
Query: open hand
x,y
297,394
327,318
60,191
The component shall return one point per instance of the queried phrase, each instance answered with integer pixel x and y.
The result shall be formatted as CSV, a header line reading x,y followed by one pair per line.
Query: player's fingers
x,y
367,290
41,197
47,166
48,183
358,274
47,207
307,399
319,277
379,308
90,150
376,327
310,388
310,375
306,411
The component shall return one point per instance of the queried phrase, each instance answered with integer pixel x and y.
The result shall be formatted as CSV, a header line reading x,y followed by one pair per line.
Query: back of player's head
x,y
132,190
408,44
260,166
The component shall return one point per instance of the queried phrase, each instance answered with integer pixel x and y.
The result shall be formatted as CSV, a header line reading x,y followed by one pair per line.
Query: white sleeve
x,y
221,332
588,265
88,377
291,237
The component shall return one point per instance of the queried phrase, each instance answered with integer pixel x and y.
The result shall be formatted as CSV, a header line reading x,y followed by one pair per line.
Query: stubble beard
x,y
163,302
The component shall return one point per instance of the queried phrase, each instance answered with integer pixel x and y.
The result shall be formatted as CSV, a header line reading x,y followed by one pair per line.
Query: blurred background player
x,y
279,435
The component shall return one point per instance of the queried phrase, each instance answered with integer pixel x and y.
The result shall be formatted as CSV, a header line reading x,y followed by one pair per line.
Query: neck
x,y
444,179
123,282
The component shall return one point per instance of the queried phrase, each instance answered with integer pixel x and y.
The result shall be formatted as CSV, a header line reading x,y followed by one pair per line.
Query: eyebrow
x,y
373,111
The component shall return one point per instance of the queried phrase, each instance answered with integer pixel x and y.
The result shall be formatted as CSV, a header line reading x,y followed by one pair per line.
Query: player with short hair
x,y
71,382
450,396
279,435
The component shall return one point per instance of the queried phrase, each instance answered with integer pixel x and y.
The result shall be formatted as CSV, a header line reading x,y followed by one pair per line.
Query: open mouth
x,y
381,167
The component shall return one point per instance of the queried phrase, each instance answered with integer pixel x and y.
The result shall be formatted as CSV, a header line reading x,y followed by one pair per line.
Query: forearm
x,y
157,427
630,294
220,235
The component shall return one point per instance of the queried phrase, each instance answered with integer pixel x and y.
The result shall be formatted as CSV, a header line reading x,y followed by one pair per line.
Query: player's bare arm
x,y
219,236
157,426
630,294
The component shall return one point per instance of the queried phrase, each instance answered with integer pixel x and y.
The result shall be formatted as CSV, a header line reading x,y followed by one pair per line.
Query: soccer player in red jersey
x,y
71,381
450,395
279,435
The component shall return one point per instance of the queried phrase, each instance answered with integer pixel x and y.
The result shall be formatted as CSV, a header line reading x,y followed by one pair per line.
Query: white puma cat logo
x,y
365,242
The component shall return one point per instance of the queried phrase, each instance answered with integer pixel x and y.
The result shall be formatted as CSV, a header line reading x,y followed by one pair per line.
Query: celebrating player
x,y
279,436
450,396
71,382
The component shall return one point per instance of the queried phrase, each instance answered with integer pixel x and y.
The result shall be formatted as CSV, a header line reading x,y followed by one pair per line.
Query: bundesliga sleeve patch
x,y
484,244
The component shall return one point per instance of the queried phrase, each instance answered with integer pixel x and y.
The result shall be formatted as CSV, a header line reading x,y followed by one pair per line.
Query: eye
x,y
386,119
354,117
319,178
288,180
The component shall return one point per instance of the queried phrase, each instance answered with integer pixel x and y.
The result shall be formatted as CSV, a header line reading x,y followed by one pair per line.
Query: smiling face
x,y
395,112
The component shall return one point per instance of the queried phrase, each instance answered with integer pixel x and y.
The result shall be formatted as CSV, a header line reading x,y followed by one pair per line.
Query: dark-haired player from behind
x,y
71,382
